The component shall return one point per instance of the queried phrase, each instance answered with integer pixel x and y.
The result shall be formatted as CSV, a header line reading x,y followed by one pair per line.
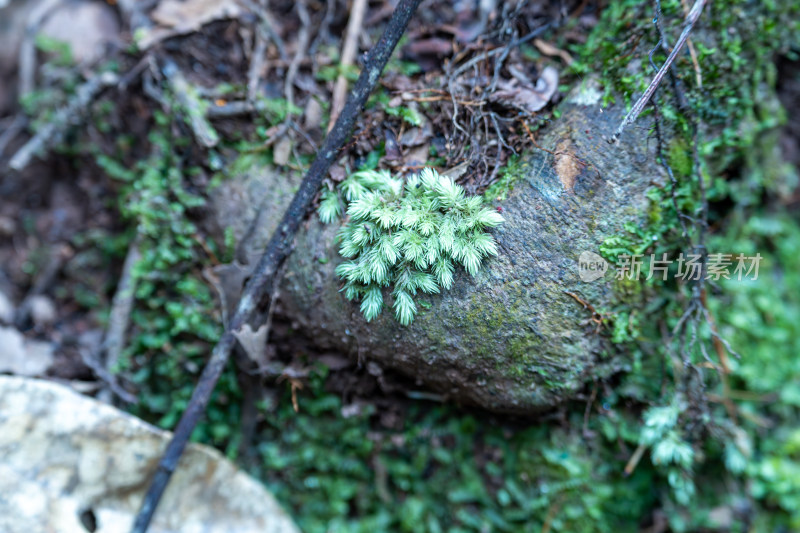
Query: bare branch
x,y
638,107
276,251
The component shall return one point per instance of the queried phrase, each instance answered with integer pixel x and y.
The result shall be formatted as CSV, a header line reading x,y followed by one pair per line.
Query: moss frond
x,y
406,236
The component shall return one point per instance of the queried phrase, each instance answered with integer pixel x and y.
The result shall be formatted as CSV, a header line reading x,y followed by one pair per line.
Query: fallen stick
x,y
70,115
119,319
190,104
276,251
637,108
348,56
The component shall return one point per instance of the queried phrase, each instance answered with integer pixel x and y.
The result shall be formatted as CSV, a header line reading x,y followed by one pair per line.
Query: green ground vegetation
x,y
442,469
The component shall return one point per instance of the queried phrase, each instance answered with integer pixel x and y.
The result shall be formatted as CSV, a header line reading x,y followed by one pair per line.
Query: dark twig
x,y
637,108
276,251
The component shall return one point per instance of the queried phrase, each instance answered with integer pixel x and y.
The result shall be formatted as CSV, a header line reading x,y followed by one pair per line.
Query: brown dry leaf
x,y
432,46
337,173
254,343
282,151
417,156
176,17
454,173
553,51
417,135
312,117
392,150
526,98
228,280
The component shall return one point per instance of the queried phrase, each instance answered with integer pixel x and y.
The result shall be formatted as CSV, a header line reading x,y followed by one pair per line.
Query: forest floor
x,y
342,443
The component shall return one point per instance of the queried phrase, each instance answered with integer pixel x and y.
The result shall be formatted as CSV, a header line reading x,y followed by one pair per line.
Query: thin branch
x,y
121,307
256,65
693,52
27,49
190,104
72,114
276,251
348,55
637,108
302,46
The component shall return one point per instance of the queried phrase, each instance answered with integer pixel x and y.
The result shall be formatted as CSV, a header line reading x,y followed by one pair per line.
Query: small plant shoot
x,y
406,236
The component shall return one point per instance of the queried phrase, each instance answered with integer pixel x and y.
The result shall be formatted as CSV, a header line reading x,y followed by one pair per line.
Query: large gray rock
x,y
512,338
64,456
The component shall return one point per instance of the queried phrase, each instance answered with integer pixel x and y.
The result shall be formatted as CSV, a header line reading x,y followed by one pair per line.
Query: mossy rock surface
x,y
510,339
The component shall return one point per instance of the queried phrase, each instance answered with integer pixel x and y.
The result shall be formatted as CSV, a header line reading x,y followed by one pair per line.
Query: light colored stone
x,y
42,309
21,356
62,454
6,309
251,202
87,27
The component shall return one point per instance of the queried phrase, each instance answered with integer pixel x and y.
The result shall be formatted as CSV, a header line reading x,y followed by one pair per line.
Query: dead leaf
x,y
312,117
86,27
433,46
417,135
518,71
392,150
417,156
282,151
228,280
526,98
337,173
254,343
176,17
552,51
457,171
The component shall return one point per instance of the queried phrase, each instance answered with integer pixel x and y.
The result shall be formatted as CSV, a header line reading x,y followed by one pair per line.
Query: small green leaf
x,y
330,207
372,303
404,308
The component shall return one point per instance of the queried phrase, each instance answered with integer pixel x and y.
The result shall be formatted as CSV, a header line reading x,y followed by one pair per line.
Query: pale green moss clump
x,y
407,236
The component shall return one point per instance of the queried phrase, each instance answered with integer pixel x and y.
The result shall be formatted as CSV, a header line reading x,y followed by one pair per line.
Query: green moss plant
x,y
406,236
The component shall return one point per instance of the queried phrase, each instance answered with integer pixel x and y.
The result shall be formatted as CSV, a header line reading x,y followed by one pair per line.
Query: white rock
x,y
21,356
6,309
62,454
87,27
42,309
